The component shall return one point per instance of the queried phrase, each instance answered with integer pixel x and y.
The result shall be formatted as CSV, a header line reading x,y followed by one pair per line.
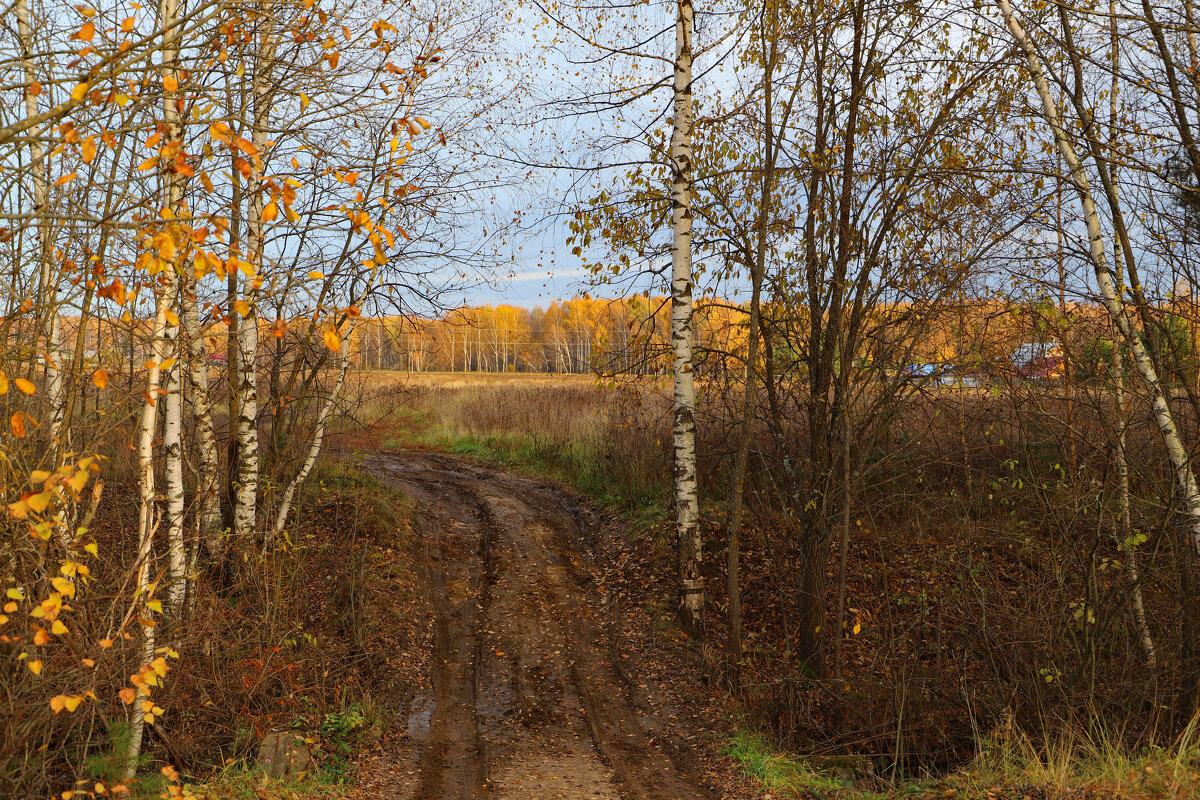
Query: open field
x,y
968,559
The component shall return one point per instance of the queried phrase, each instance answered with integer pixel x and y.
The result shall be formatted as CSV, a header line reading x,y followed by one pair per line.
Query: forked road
x,y
528,701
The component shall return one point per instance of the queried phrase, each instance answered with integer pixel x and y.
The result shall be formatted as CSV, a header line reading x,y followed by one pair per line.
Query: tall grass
x,y
1071,764
610,443
1099,762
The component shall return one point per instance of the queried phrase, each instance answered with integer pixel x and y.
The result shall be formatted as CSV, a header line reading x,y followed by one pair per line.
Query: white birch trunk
x,y
48,296
147,512
687,516
245,520
208,510
1159,401
168,14
173,450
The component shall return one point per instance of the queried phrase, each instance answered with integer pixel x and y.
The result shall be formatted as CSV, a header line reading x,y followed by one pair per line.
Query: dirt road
x,y
529,699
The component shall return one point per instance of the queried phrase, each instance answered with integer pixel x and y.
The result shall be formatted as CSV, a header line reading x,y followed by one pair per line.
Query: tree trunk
x,y
147,522
173,423
245,508
48,296
812,604
683,434
839,622
208,507
1125,530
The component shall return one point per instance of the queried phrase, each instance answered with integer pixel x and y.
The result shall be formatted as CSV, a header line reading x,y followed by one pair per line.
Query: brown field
x,y
980,531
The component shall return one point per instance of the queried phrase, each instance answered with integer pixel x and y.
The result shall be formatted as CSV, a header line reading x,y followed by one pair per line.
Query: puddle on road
x,y
420,716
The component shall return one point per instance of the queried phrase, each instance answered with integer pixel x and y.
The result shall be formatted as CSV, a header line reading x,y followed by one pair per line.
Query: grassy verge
x,y
580,465
786,776
239,781
1017,769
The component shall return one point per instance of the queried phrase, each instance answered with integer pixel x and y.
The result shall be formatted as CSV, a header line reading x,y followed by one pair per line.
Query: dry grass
x,y
609,441
957,619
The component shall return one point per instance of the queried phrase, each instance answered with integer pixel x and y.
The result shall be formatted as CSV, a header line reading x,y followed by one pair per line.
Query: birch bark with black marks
x,y
1113,303
683,431
208,507
147,519
49,324
246,500
173,407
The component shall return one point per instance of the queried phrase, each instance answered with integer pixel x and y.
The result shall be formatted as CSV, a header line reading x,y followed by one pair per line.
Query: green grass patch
x,y
785,776
581,465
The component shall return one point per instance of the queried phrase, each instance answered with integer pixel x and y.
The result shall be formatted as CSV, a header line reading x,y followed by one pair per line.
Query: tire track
x,y
528,700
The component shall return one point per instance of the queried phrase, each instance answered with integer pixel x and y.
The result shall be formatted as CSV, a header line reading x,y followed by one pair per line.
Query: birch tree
x,y
47,294
262,91
1113,303
683,429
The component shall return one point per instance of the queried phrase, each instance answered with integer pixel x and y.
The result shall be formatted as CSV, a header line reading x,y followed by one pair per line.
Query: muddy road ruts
x,y
528,700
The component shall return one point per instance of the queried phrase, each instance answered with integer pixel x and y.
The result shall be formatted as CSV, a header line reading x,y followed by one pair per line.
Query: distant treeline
x,y
630,335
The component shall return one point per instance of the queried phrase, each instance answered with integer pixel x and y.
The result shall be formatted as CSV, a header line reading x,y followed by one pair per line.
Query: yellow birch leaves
x,y
332,340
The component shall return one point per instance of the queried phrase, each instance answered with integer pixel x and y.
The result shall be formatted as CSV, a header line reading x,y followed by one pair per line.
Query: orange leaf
x,y
332,341
25,386
100,378
86,33
65,179
88,149
270,212
61,701
169,83
18,425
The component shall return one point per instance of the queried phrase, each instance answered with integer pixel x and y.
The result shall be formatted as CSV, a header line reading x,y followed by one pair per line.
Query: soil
x,y
529,698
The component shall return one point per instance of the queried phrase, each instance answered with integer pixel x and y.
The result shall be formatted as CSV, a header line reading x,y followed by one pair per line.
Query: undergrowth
x,y
241,780
781,775
311,630
1073,765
